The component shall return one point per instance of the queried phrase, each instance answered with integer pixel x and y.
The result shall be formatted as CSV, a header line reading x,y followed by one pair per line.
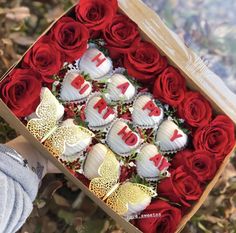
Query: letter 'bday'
x,y
98,59
123,87
78,84
160,162
175,135
154,110
101,105
128,137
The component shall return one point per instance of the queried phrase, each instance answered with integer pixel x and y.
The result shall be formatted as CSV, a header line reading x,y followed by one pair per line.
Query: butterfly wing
x,y
68,139
46,115
109,173
130,194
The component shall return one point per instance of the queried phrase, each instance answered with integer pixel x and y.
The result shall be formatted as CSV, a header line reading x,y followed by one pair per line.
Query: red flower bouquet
x,y
181,187
170,87
217,137
21,91
200,163
71,38
96,14
111,109
44,58
163,218
144,62
189,109
120,35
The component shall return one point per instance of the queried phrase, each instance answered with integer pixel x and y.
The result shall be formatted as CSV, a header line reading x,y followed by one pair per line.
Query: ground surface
x,y
208,26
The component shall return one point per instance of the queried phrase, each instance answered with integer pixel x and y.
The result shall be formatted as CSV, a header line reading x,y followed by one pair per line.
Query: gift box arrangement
x,y
126,111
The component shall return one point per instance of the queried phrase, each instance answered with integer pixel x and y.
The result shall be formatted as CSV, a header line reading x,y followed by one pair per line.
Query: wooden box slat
x,y
198,77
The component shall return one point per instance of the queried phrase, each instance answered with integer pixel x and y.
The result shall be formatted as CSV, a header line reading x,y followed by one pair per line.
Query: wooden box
x,y
198,77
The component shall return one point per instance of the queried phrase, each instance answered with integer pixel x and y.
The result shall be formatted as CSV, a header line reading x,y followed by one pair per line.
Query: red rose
x,y
181,187
200,163
217,137
44,58
71,38
144,62
170,87
96,14
164,218
195,109
120,34
21,91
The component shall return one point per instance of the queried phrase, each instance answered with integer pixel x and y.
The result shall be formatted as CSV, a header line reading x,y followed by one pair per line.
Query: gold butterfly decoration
x,y
65,139
118,196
